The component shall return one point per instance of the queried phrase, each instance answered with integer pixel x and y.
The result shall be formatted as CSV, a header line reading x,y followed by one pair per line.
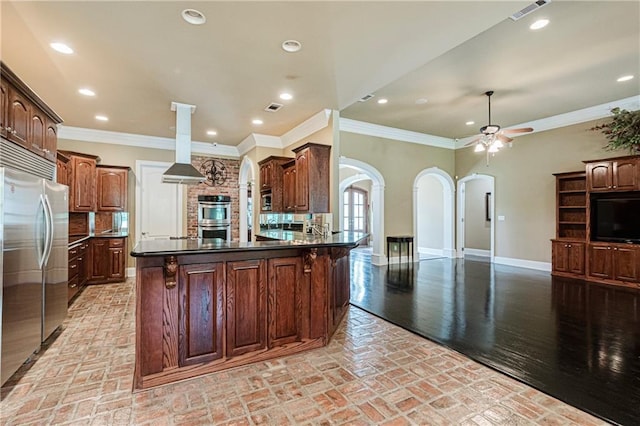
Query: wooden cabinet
x,y
201,313
62,169
18,118
285,301
107,260
77,271
246,306
339,290
571,205
25,119
82,182
312,178
289,186
619,174
271,181
83,264
4,108
111,183
617,262
568,257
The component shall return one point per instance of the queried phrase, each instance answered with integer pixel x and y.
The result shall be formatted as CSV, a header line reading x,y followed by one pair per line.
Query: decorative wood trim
x,y
309,259
337,252
170,271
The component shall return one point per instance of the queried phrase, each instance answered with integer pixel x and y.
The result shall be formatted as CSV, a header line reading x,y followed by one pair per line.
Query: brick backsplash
x,y
229,187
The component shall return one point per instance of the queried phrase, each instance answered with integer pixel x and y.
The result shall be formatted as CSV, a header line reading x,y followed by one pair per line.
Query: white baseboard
x,y
424,252
131,272
450,253
378,259
523,263
477,252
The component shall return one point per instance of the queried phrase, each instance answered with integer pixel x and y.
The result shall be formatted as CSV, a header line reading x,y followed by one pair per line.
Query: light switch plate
x,y
501,218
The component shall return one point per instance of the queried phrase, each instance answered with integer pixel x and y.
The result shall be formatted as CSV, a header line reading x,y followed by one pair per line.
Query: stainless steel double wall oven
x,y
214,216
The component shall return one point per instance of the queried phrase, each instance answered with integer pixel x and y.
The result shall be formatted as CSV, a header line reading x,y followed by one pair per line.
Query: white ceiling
x,y
140,56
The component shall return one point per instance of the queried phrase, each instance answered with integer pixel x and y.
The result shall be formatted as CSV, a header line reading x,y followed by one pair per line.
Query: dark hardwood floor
x,y
576,341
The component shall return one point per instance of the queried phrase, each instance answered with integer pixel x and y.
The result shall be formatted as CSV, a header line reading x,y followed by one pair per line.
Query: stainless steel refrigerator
x,y
33,237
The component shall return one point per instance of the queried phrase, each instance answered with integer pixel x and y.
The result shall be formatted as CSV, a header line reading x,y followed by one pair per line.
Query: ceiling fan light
x,y
479,147
498,144
493,147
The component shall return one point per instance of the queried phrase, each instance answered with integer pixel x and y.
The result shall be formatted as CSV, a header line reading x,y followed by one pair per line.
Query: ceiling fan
x,y
492,137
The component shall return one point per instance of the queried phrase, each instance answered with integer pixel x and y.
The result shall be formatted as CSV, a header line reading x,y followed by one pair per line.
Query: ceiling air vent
x,y
527,10
365,98
273,107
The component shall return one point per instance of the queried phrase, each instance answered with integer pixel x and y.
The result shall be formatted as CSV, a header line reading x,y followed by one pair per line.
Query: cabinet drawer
x,y
73,252
116,242
73,267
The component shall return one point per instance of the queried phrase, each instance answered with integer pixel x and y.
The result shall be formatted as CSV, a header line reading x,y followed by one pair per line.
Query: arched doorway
x,y
442,244
484,202
376,202
245,182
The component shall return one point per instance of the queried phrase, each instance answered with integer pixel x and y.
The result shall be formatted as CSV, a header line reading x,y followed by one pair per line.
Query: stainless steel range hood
x,y
182,171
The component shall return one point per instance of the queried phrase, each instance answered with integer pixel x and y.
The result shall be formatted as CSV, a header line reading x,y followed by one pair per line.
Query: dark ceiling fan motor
x,y
489,129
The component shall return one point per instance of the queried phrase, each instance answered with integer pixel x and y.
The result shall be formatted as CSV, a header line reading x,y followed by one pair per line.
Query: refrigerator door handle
x,y
42,250
48,230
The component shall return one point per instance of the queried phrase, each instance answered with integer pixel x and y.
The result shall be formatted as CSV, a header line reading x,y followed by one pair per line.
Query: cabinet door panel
x,y
625,264
201,313
575,258
4,108
51,140
302,182
116,263
246,306
285,300
100,259
559,256
625,174
600,176
600,261
112,189
84,176
18,118
38,132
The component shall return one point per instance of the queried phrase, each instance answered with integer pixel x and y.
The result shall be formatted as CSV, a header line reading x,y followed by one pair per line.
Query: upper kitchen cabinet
x,y
312,178
271,183
111,182
616,174
81,181
62,168
25,119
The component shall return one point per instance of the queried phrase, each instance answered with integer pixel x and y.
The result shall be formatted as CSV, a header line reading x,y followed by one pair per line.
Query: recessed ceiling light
x,y
256,121
421,101
291,45
286,96
382,101
625,78
86,92
102,118
193,16
470,123
540,23
211,132
62,48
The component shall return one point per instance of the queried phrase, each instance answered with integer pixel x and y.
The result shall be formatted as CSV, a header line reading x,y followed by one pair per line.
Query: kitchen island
x,y
205,305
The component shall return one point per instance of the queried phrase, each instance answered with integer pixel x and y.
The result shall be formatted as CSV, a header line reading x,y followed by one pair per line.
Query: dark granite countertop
x,y
215,245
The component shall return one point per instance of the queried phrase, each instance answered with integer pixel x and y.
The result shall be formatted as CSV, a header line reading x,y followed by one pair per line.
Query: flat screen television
x,y
616,219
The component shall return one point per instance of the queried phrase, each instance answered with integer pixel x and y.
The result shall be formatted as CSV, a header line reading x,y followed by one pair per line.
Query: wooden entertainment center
x,y
576,252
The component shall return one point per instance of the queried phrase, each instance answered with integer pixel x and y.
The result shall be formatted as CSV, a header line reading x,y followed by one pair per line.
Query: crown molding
x,y
308,127
142,141
570,118
377,130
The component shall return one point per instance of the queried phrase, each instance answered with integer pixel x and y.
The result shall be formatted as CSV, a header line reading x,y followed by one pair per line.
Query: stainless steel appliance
x,y
34,234
214,216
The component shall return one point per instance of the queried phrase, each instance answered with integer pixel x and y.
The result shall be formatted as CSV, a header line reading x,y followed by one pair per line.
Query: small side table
x,y
401,240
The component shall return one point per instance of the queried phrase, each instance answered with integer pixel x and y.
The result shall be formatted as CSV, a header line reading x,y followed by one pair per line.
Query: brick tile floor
x,y
372,372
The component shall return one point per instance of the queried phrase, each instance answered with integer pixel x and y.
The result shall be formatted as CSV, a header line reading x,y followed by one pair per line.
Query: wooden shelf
x,y
572,207
573,191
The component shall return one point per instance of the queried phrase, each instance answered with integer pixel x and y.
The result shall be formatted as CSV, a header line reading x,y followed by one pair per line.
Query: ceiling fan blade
x,y
521,130
473,142
503,138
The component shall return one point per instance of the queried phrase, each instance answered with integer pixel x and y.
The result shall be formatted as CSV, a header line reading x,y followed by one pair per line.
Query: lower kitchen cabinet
x,y
201,312
107,260
339,293
78,268
285,300
246,306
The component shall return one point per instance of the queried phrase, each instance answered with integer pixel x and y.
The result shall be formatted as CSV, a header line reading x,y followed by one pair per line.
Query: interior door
x,y
158,205
355,210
